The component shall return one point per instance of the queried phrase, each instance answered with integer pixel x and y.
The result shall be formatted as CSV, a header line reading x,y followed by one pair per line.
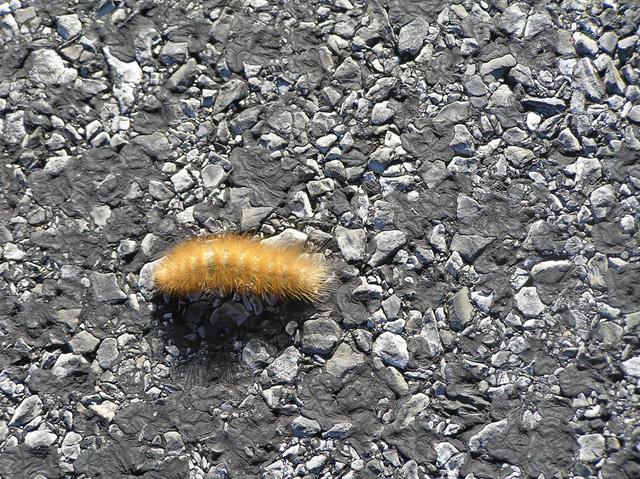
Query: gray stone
x,y
631,367
106,289
304,427
475,86
634,114
184,77
255,354
69,26
411,37
592,447
155,145
159,191
14,130
29,409
106,410
325,142
608,42
344,360
602,199
545,106
528,302
174,442
126,77
610,334
212,176
68,364
289,237
460,310
521,74
182,181
455,112
352,243
498,67
462,142
469,246
613,81
319,336
230,92
174,53
47,67
40,439
568,142
518,156
83,343
491,432
11,252
587,80
392,349
381,113
107,353
387,243
284,368
584,45
391,307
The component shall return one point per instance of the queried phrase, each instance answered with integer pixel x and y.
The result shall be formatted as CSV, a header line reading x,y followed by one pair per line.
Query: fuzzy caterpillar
x,y
236,263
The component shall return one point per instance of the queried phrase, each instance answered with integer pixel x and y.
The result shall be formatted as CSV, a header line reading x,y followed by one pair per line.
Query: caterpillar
x,y
236,263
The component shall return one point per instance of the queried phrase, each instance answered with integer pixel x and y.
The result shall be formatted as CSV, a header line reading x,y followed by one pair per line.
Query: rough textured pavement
x,y
470,169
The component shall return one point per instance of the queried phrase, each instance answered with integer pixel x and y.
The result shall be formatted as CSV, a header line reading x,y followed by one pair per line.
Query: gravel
x,y
467,169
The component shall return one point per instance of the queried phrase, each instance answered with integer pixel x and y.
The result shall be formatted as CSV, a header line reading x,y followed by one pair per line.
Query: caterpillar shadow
x,y
206,337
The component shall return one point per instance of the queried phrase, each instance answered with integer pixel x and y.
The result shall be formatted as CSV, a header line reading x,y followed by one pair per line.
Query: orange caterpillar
x,y
236,263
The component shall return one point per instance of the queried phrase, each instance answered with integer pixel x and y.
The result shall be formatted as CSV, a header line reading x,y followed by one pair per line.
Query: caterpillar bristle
x,y
237,263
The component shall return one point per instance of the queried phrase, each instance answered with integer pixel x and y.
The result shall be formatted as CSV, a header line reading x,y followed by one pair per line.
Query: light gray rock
x,y
344,360
381,113
587,80
14,130
469,246
47,67
352,243
106,289
230,92
83,343
40,439
255,354
460,310
173,441
411,37
174,53
107,353
212,176
183,78
462,142
319,336
68,364
387,243
284,368
592,447
528,302
182,181
634,114
126,78
602,199
490,432
392,349
498,67
11,252
568,142
29,408
631,367
584,45
305,427
69,26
